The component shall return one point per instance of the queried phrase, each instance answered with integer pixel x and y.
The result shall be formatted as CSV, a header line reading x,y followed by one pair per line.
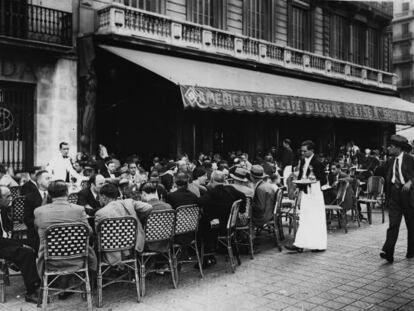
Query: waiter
x,y
399,181
61,167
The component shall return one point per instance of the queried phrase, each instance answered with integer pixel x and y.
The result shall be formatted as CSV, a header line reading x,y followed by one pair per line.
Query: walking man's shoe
x,y
409,255
387,257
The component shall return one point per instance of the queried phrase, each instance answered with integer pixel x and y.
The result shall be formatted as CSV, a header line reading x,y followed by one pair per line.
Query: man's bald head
x,y
5,196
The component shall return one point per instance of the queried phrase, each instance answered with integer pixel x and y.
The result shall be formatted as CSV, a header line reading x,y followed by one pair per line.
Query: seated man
x,y
89,197
58,212
216,204
182,196
17,251
335,174
120,208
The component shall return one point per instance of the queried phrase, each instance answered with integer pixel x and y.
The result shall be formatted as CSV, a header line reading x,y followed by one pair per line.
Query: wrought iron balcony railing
x,y
31,22
131,22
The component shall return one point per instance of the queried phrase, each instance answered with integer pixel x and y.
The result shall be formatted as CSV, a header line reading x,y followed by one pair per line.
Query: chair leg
x,y
137,281
345,221
99,281
2,290
173,267
251,247
236,250
200,264
231,257
88,291
142,277
45,293
369,213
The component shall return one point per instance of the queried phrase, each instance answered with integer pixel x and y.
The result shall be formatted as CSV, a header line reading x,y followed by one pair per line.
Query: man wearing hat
x,y
241,183
167,175
264,197
399,180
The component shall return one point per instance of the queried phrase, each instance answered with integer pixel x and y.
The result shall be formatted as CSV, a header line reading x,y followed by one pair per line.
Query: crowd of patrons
x,y
107,188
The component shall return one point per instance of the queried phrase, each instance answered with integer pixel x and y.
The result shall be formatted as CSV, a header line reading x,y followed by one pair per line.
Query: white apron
x,y
312,233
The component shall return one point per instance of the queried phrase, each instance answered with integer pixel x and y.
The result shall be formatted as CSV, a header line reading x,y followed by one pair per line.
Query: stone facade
x,y
55,102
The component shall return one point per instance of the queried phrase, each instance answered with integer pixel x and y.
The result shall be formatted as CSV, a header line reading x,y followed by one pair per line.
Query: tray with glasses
x,y
305,181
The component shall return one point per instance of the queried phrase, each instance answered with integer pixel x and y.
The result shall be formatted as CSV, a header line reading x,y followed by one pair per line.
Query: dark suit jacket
x,y
318,170
85,197
167,180
181,197
407,170
7,226
217,202
286,157
31,202
28,187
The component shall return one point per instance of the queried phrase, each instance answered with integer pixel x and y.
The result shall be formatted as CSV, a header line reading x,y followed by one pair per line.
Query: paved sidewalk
x,y
348,276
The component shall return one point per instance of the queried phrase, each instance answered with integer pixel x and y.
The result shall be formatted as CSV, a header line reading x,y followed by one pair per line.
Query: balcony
x,y
401,59
130,22
402,37
22,21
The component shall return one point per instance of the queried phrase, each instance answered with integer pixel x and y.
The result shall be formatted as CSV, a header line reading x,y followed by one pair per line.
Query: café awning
x,y
212,86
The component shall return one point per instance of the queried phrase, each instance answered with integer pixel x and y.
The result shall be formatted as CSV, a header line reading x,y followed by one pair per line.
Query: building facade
x,y
168,77
38,81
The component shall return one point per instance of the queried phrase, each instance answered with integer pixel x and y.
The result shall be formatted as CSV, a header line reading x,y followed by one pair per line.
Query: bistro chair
x,y
73,198
117,235
65,242
354,210
159,228
229,240
276,224
17,215
15,191
336,205
185,234
246,230
374,195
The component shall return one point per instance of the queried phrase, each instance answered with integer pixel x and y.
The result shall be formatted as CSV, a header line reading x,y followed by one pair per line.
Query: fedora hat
x,y
257,172
400,141
239,174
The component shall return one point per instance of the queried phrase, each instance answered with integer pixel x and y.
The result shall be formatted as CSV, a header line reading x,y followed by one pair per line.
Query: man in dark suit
x,y
399,180
89,197
310,163
30,185
182,196
33,200
17,251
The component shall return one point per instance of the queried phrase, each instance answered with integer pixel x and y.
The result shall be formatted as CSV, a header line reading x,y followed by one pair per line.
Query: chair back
x,y
117,234
186,219
278,201
342,189
17,210
160,226
15,191
234,212
73,198
291,187
67,241
375,185
249,207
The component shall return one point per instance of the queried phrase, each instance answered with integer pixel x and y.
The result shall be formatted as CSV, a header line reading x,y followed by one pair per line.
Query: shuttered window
x,y
300,37
157,6
339,30
208,12
258,19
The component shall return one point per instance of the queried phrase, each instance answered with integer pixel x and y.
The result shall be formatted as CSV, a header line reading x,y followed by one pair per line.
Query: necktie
x,y
397,181
44,199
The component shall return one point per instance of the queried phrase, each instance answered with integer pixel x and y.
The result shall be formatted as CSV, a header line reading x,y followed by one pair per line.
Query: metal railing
x,y
37,23
123,20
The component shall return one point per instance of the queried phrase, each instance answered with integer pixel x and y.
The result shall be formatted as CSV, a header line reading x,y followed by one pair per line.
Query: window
x,y
157,6
257,21
405,28
300,27
405,6
207,12
339,37
405,75
358,41
373,48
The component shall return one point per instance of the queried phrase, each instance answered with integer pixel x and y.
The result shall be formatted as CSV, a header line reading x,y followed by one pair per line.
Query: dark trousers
x,y
399,205
25,259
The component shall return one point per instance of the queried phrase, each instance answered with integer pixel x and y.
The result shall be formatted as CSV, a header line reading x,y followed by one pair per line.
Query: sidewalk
x,y
349,276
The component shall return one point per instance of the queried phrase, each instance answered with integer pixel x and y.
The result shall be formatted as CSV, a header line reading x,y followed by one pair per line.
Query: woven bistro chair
x,y
15,191
17,214
185,234
247,231
275,224
73,198
374,195
336,205
158,228
65,242
229,239
117,235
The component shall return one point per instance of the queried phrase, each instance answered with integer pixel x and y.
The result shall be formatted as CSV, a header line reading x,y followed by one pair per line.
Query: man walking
x,y
399,181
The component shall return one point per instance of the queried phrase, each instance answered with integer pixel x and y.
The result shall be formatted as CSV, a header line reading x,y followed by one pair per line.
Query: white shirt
x,y
400,159
59,166
3,231
306,166
8,181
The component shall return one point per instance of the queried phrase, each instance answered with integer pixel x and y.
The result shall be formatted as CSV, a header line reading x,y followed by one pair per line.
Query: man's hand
x,y
407,186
